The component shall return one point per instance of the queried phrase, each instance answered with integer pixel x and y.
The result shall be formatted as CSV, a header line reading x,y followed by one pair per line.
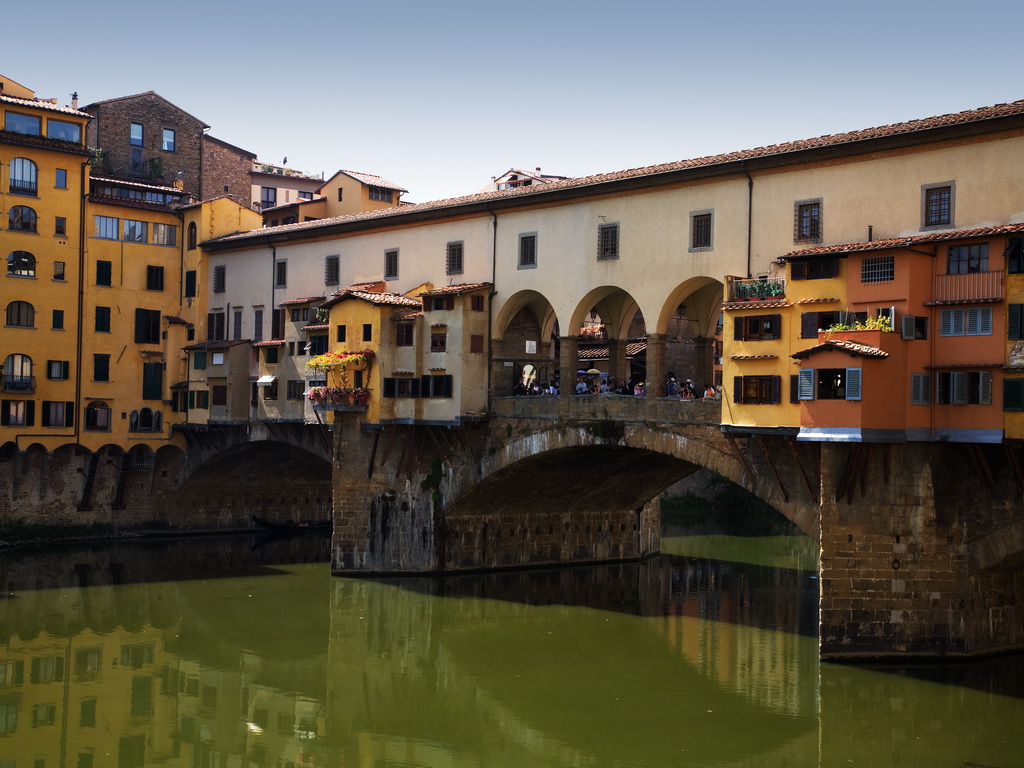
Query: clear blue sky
x,y
438,97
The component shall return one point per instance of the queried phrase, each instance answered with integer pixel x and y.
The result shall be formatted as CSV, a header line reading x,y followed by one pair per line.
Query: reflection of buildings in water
x,y
745,627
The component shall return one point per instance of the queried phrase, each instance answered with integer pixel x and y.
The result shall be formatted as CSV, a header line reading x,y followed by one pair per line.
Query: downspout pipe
x,y
750,213
490,304
80,412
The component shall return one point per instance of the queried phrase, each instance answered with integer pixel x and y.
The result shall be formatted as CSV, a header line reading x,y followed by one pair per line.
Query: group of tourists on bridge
x,y
587,384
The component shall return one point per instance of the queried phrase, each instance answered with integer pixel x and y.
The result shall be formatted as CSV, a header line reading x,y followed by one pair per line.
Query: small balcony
x,y
974,286
14,383
757,290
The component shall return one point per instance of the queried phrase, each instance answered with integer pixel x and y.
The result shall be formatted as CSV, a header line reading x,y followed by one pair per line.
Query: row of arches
x,y
609,331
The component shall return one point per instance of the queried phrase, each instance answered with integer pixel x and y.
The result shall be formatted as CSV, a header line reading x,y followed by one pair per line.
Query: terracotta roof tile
x,y
315,327
979,115
126,202
832,300
753,357
373,297
400,316
41,142
599,353
903,242
937,366
306,300
175,320
773,304
860,350
373,180
269,343
455,289
43,104
217,344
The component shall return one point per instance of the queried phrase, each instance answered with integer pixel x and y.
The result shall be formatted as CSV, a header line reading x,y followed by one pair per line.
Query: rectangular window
x,y
401,387
528,250
61,178
219,278
190,284
391,265
135,135
281,274
270,355
381,194
154,278
134,231
65,131
1013,394
102,319
219,395
453,258
439,303
920,389
439,340
963,388
60,226
318,344
270,390
101,367
167,143
476,303
814,269
152,381
57,370
257,325
967,259
199,360
757,327
607,242
104,273
700,231
165,234
476,343
236,325
937,205
1014,255
106,227
295,389
974,321
807,221
277,324
436,386
147,326
829,384
757,390
17,413
58,270
215,326
332,270
268,197
1015,321
27,124
881,269
58,320
367,332
404,334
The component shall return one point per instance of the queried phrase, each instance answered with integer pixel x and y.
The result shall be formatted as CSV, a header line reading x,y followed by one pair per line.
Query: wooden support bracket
x,y
775,470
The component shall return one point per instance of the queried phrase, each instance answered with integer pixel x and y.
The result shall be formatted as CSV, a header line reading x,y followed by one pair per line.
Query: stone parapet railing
x,y
609,406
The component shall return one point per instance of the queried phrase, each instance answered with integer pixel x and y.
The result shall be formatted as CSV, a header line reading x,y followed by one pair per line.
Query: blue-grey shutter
x,y
805,390
958,383
907,330
1013,325
853,383
985,388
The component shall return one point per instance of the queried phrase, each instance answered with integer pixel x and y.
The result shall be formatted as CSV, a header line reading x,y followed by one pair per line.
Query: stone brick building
x,y
226,170
144,136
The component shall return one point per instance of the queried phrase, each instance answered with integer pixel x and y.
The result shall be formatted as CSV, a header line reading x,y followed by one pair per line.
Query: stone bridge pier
x,y
917,556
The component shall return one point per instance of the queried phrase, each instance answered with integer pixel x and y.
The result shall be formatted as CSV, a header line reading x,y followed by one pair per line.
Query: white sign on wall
x,y
531,347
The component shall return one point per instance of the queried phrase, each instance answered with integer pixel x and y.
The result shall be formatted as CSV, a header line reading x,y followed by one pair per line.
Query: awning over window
x,y
264,381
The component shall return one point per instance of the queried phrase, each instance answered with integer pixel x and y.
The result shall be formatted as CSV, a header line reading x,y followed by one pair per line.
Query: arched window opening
x,y
18,374
21,218
21,314
23,176
21,264
192,236
97,416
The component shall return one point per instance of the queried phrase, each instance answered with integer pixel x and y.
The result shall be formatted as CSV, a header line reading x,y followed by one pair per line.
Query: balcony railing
x,y
974,286
757,290
13,383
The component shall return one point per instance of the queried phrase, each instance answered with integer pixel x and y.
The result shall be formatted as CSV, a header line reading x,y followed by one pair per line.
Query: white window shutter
x,y
853,383
805,384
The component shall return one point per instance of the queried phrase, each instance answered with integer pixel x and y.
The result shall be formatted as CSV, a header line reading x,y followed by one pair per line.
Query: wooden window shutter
x,y
809,325
853,389
1013,330
1013,394
775,393
805,390
907,326
958,385
389,387
737,389
738,325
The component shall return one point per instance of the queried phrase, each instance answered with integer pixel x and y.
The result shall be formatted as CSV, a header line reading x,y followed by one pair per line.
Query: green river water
x,y
238,652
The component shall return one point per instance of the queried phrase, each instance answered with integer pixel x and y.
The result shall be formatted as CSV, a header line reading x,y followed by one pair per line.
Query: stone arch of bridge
x,y
614,465
262,467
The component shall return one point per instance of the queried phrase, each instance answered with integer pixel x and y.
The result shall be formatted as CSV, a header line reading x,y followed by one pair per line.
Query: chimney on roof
x,y
538,170
74,100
